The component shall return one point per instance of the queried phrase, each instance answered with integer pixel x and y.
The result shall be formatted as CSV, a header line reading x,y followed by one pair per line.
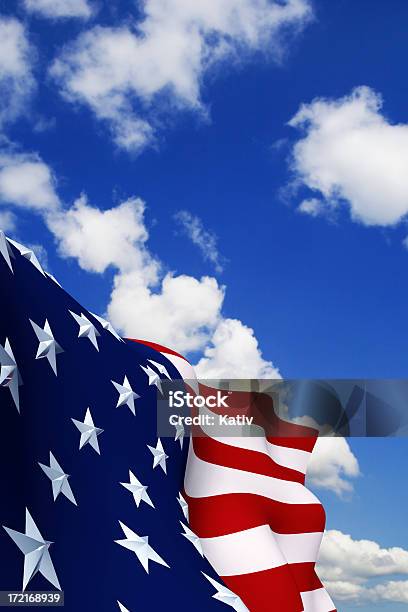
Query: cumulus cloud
x,y
8,221
348,566
16,79
234,353
350,152
392,591
342,558
118,72
332,465
205,240
25,180
57,9
181,313
102,238
177,310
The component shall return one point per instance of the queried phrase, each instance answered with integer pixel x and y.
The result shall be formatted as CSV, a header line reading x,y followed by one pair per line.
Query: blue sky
x,y
325,293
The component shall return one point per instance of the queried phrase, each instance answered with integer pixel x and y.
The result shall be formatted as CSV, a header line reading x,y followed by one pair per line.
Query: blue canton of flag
x,y
91,500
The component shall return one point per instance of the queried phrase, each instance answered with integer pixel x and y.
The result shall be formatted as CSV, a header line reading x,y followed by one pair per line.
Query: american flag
x,y
94,504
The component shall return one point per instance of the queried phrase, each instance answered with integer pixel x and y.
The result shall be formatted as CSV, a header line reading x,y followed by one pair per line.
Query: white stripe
x,y
317,601
299,547
244,552
289,457
204,479
258,549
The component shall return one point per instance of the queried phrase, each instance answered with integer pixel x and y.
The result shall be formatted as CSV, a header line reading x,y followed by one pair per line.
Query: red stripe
x,y
273,590
305,576
276,589
157,347
223,514
213,451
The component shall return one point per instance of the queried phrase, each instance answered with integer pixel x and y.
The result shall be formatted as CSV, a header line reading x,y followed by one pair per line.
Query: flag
x,y
97,507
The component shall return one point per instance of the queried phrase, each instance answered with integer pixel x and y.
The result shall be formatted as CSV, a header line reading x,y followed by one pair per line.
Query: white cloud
x,y
351,152
342,558
129,74
348,566
332,464
313,207
56,9
16,80
392,591
25,180
147,302
234,353
7,221
205,240
102,238
181,312
178,310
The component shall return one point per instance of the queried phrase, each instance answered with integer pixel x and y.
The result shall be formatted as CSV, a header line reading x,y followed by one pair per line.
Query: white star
x,y
160,367
9,374
108,326
138,490
179,433
183,505
226,596
59,480
154,378
48,347
89,433
28,254
193,538
122,607
140,546
36,555
159,456
86,328
5,250
126,394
